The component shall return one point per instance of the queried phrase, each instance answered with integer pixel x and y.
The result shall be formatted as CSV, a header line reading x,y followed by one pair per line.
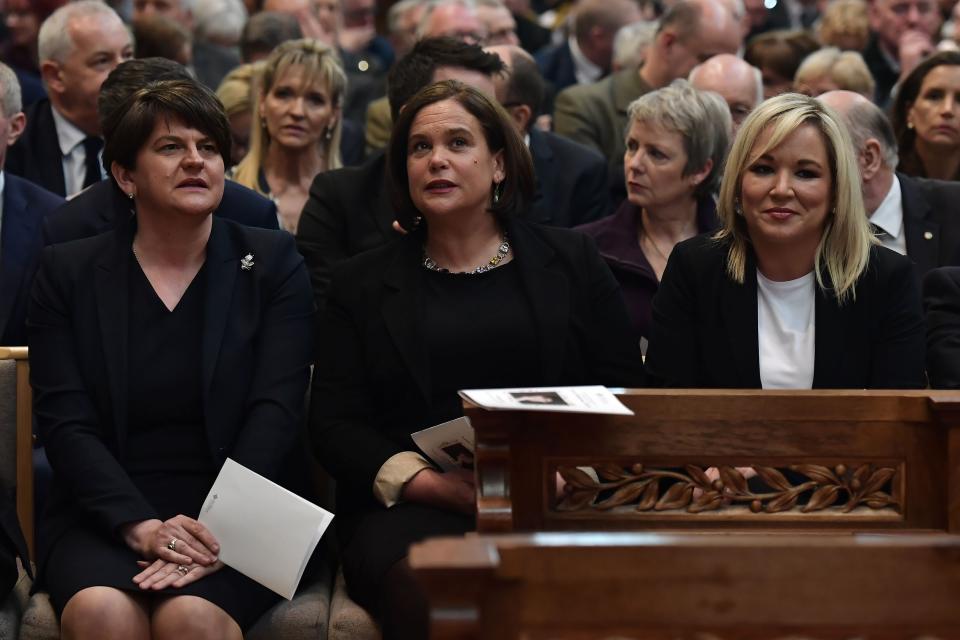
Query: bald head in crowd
x,y
691,32
873,141
739,83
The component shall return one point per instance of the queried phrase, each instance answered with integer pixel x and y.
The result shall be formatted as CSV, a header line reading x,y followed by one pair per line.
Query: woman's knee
x,y
186,617
104,612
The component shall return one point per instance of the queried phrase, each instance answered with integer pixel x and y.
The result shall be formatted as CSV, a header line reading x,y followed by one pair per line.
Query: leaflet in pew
x,y
265,532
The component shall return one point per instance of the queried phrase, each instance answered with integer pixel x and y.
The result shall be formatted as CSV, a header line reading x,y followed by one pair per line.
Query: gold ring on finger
x,y
172,545
182,570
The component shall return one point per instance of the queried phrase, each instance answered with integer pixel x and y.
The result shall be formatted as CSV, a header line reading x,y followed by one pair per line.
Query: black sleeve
x,y
673,354
613,350
68,420
274,401
898,352
321,235
941,300
342,404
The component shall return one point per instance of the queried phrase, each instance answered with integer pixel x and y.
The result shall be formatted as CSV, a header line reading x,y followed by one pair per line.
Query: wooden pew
x,y
826,460
653,586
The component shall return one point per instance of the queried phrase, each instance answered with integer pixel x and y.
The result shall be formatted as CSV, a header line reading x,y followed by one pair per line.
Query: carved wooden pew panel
x,y
745,586
847,460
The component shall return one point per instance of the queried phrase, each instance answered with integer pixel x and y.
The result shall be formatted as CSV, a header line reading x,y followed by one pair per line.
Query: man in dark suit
x,y
22,207
79,44
571,178
349,210
102,206
912,216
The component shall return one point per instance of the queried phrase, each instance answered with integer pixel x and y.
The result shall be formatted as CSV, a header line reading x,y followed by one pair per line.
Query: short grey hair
x,y
54,41
219,20
10,100
701,117
433,5
866,120
630,41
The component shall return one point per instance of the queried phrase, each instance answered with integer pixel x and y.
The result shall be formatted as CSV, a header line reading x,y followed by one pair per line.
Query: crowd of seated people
x,y
485,193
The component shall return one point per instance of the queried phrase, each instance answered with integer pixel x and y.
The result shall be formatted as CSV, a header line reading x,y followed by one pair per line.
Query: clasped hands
x,y
193,556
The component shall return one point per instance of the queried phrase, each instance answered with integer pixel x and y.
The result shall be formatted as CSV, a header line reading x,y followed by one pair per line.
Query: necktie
x,y
877,231
92,146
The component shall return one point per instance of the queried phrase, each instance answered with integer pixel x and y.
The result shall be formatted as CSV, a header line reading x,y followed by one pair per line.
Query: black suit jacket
x,y
941,301
931,221
257,349
36,155
571,181
103,207
372,385
348,212
24,206
704,331
884,75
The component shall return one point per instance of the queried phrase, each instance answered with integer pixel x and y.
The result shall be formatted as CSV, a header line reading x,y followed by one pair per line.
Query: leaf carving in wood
x,y
699,476
577,478
816,472
624,495
877,479
577,500
611,472
822,498
706,501
733,479
773,478
677,496
649,498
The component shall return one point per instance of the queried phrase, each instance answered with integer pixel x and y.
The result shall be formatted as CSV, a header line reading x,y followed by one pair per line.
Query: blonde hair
x,y
237,88
846,69
319,62
844,248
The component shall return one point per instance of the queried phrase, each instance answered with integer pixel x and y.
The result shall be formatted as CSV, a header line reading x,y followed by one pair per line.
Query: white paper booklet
x,y
450,444
597,399
265,532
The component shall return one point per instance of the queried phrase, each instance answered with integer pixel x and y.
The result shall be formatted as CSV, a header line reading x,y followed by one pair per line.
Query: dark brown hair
x,y
133,122
907,94
782,51
500,135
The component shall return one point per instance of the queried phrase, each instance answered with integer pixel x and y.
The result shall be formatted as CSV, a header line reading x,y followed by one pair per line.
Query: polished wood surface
x,y
706,586
825,460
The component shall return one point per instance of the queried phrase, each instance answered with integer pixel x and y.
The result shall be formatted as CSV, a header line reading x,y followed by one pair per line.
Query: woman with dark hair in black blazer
x,y
794,291
158,350
472,297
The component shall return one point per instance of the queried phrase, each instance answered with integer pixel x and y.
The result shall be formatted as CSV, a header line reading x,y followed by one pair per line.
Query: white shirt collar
x,y
68,134
585,71
889,215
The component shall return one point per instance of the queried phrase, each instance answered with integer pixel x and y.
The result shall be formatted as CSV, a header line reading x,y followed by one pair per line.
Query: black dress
x,y
480,333
166,456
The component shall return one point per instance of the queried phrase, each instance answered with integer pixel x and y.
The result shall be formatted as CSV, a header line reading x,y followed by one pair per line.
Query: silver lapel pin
x,y
246,262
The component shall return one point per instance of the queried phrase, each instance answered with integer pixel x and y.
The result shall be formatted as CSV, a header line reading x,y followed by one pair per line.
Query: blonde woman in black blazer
x,y
158,350
792,213
410,323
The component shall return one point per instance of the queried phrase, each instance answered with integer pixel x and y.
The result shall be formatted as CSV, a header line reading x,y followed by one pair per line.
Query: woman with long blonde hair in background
x,y
296,125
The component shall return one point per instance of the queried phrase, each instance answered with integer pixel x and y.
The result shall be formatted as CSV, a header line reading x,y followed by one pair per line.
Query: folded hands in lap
x,y
181,549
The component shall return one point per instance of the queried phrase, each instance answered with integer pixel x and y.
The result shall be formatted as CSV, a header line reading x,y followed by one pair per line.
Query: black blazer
x,y
102,207
24,206
704,331
257,349
348,212
36,154
372,386
931,222
571,181
941,301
